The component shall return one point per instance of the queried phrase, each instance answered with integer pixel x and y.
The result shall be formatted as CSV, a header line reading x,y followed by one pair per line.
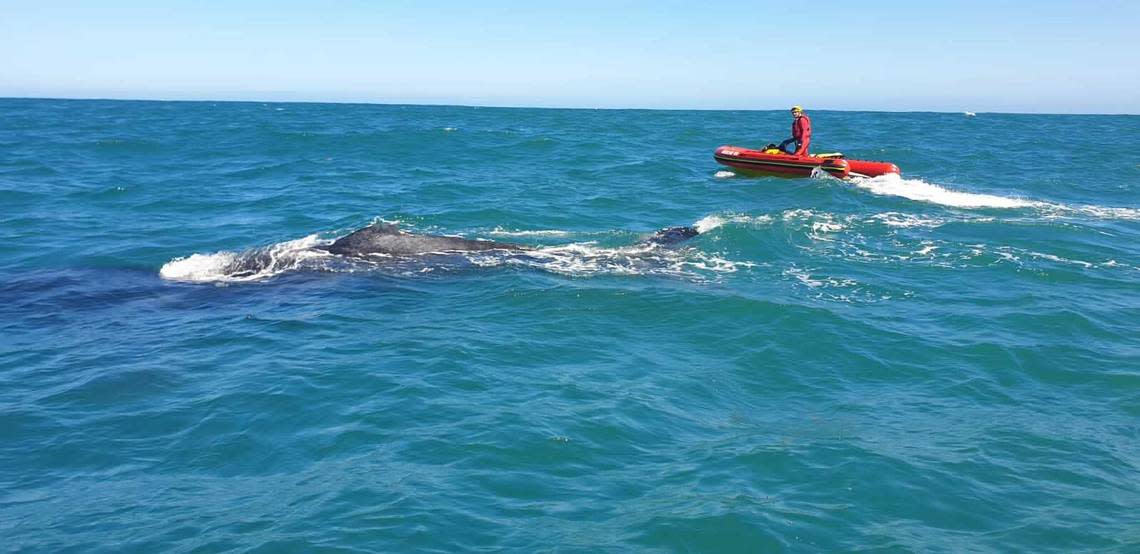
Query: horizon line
x,y
517,107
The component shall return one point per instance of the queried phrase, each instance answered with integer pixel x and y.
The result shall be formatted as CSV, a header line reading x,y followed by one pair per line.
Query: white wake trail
x,y
921,191
916,189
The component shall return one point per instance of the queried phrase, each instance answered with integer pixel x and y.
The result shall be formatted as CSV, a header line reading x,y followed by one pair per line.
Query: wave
x,y
919,190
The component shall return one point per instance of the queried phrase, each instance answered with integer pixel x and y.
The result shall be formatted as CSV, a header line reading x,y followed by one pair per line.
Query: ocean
x,y
944,361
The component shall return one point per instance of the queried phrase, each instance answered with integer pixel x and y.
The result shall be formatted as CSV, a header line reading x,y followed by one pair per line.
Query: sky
x,y
1037,57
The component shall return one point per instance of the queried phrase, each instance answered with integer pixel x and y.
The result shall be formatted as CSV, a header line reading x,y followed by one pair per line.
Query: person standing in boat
x,y
801,133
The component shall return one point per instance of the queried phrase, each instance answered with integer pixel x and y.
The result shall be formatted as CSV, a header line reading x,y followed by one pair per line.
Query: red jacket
x,y
801,131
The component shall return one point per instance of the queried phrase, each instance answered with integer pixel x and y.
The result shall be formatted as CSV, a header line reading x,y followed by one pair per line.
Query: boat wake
x,y
921,191
916,189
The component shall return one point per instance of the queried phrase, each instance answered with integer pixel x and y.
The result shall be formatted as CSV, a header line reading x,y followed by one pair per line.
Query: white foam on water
x,y
724,174
820,224
378,219
710,222
901,220
199,267
253,265
826,227
1099,212
926,250
587,259
798,213
806,277
500,232
917,189
1067,261
717,264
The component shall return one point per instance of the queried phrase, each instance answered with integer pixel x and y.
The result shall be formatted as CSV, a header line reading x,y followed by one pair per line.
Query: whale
x,y
383,244
672,235
388,239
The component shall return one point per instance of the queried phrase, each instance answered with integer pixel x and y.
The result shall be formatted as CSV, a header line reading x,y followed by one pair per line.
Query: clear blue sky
x,y
1041,56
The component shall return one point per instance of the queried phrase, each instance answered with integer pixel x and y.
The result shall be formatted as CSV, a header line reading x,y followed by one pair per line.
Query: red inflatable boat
x,y
774,162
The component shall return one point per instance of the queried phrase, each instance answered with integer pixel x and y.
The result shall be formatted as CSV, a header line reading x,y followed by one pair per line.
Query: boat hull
x,y
758,162
865,168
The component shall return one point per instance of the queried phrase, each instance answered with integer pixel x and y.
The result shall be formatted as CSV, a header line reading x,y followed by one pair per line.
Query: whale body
x,y
385,238
380,244
388,239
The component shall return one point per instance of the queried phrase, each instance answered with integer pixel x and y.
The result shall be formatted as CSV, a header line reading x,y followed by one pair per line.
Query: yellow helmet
x,y
797,109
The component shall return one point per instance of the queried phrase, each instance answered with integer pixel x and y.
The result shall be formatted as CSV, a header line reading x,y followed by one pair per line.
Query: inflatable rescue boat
x,y
772,161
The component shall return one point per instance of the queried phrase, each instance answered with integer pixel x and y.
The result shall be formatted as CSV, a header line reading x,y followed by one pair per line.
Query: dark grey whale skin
x,y
385,238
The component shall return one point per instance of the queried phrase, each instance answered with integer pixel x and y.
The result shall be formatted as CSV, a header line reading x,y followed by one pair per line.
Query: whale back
x,y
386,238
672,235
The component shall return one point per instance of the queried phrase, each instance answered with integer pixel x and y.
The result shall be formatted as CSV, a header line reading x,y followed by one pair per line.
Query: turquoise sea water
x,y
949,361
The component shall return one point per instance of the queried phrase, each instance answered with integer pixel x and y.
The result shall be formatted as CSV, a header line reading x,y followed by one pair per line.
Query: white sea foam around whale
x,y
714,221
252,265
501,232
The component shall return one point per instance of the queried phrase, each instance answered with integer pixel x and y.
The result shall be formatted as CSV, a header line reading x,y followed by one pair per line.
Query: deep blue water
x,y
949,361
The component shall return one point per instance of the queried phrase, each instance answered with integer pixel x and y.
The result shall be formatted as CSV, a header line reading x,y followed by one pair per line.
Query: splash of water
x,y
253,265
